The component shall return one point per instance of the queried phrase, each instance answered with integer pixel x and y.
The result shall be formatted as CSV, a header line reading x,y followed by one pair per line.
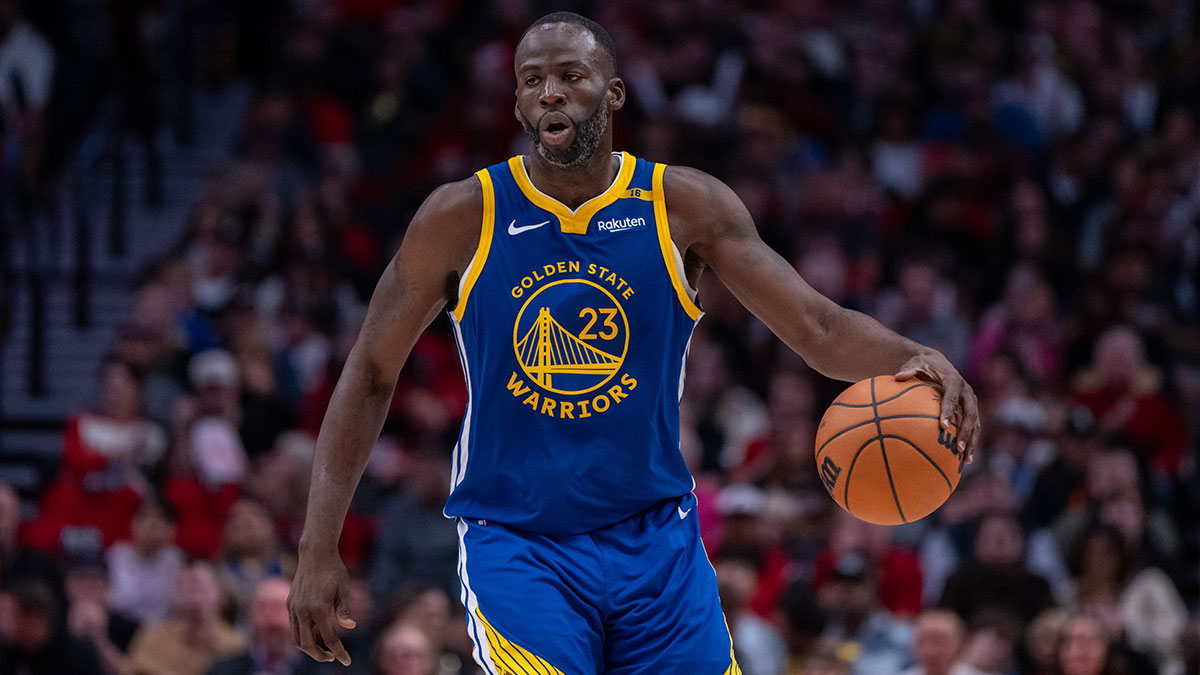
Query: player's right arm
x,y
418,283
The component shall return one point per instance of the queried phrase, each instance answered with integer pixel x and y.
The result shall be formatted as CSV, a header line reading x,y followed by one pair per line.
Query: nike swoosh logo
x,y
683,514
513,229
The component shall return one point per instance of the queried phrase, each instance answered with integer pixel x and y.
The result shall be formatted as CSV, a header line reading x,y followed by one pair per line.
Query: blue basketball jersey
x,y
573,328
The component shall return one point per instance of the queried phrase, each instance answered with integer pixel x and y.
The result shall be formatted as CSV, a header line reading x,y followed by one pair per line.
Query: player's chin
x,y
566,155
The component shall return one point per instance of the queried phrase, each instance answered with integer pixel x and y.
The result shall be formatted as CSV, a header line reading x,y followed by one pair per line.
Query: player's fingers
x,y
905,374
969,435
333,642
294,624
308,643
950,396
344,618
973,442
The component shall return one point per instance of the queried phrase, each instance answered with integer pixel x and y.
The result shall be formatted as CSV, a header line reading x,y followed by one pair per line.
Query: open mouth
x,y
556,131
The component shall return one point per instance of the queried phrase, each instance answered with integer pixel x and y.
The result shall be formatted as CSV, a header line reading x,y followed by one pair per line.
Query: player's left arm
x,y
711,224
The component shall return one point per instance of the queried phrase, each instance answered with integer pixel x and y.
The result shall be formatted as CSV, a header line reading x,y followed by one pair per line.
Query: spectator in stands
x,y
19,562
27,63
991,647
1142,604
759,648
210,438
1022,323
195,637
923,307
404,649
86,585
426,606
1085,647
206,463
33,640
944,548
899,585
1126,395
107,457
1060,485
781,458
419,543
1042,638
114,447
166,302
266,413
143,570
1018,443
271,649
749,535
998,578
937,645
279,481
803,626
1115,491
149,350
250,553
728,417
861,632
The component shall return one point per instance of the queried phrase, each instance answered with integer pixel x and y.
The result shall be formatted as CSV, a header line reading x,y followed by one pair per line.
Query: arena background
x,y
198,196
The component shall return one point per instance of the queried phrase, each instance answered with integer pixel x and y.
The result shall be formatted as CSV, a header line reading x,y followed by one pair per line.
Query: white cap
x,y
740,499
213,367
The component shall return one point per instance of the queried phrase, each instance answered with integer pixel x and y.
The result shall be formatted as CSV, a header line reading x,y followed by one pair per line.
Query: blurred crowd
x,y
1014,183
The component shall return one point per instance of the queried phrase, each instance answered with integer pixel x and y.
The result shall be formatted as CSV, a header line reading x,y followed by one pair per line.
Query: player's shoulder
x,y
449,220
695,190
458,198
700,200
689,182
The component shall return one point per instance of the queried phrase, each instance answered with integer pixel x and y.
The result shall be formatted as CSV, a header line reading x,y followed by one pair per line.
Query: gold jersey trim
x,y
670,254
573,222
485,244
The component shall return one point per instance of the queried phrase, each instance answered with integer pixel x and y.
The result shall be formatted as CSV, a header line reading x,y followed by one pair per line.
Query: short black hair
x,y
602,37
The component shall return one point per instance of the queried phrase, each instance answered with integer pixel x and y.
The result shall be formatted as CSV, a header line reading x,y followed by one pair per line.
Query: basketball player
x,y
568,277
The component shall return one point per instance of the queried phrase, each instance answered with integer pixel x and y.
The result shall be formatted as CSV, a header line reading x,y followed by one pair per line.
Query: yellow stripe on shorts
x,y
516,660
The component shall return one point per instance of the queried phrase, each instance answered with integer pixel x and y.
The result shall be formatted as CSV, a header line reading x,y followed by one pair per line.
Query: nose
x,y
551,95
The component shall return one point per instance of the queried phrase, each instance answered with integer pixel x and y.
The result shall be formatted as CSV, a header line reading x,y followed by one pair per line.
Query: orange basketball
x,y
882,454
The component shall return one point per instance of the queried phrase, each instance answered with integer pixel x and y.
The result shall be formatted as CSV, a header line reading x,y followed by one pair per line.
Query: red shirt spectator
x,y
899,587
1125,394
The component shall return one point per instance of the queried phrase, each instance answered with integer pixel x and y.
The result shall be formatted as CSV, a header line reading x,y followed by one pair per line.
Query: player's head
x,y
567,87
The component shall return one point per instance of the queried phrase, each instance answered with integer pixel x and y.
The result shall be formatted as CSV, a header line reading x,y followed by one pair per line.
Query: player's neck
x,y
574,186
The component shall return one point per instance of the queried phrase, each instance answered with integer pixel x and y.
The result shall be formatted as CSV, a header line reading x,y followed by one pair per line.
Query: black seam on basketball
x,y
850,472
927,458
852,427
883,451
889,399
891,481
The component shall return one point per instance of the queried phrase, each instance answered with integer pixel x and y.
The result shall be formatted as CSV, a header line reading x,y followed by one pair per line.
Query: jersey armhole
x,y
670,253
471,275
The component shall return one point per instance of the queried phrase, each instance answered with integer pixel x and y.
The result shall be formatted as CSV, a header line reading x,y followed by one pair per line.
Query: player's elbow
x,y
368,374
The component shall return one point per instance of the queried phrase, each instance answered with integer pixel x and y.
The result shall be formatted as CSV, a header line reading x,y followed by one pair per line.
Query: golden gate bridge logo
x,y
571,360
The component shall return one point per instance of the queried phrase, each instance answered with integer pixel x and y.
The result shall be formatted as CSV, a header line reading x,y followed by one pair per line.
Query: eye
x,y
532,80
572,77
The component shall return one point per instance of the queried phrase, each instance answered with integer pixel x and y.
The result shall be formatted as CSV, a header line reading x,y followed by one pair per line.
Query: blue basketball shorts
x,y
638,597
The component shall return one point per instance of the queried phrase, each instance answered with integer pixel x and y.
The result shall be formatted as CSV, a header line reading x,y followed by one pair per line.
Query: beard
x,y
588,134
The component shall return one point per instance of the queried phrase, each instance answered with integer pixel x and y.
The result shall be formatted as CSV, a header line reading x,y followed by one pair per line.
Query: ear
x,y
616,93
517,111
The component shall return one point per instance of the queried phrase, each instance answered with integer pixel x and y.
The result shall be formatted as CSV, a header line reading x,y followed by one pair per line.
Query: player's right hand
x,y
317,607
